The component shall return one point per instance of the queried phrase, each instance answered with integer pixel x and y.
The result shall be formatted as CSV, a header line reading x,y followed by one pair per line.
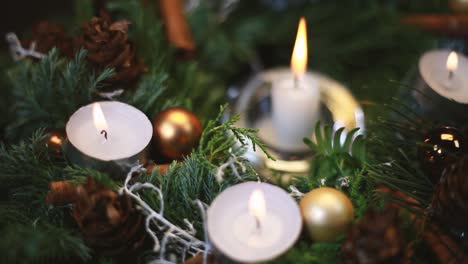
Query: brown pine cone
x,y
47,35
450,202
108,46
377,238
110,223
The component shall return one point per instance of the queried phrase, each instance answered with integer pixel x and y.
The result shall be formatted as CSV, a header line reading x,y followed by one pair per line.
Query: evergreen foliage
x,y
339,162
360,43
48,92
194,178
32,230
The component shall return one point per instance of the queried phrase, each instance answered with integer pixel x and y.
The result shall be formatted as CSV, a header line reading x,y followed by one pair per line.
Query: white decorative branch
x,y
295,192
344,181
231,163
111,95
202,207
183,239
18,52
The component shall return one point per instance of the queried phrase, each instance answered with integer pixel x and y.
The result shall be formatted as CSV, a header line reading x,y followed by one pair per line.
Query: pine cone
x,y
376,239
47,35
110,223
450,202
108,46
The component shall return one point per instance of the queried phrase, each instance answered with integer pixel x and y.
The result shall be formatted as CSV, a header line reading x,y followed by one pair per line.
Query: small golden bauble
x,y
176,131
162,168
327,213
54,139
459,6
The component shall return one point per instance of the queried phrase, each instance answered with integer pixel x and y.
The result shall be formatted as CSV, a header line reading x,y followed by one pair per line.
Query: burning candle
x,y
257,207
253,222
100,121
295,100
107,132
444,72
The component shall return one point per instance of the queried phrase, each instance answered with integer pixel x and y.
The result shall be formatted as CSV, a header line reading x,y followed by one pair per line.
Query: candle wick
x,y
296,81
450,76
105,133
257,225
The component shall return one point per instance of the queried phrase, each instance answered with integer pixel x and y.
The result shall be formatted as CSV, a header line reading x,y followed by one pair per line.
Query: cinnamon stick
x,y
177,29
61,192
453,25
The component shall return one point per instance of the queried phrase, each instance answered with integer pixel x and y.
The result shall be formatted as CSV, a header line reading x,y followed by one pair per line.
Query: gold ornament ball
x,y
176,131
54,139
459,6
327,213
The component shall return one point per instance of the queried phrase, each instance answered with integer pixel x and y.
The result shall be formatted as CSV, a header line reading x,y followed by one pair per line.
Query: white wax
x,y
129,131
232,228
248,233
295,110
433,69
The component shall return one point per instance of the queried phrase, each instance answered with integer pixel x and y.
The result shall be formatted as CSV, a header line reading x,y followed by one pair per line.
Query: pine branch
x,y
219,136
394,160
150,96
78,176
26,169
48,92
41,243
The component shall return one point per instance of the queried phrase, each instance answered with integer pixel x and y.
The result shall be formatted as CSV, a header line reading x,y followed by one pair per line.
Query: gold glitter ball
x,y
327,213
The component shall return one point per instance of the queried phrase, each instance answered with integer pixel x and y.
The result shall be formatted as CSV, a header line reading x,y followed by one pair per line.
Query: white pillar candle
x,y
295,111
109,131
253,222
446,73
295,100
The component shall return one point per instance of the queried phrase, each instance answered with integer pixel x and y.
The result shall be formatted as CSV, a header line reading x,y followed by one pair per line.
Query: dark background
x,y
18,15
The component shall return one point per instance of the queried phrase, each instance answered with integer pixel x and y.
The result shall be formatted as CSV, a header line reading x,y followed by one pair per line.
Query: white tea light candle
x,y
253,222
295,100
108,131
445,73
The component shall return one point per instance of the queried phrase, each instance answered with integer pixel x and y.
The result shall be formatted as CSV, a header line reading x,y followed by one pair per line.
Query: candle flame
x,y
99,118
299,55
452,61
257,205
56,140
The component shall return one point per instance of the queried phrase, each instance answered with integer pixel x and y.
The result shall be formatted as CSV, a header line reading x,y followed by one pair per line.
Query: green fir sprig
x,y
194,177
48,92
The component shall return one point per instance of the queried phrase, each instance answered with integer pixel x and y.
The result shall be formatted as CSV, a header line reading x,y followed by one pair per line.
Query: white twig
x,y
226,8
202,207
18,52
112,95
322,181
232,162
164,242
295,192
183,239
344,181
